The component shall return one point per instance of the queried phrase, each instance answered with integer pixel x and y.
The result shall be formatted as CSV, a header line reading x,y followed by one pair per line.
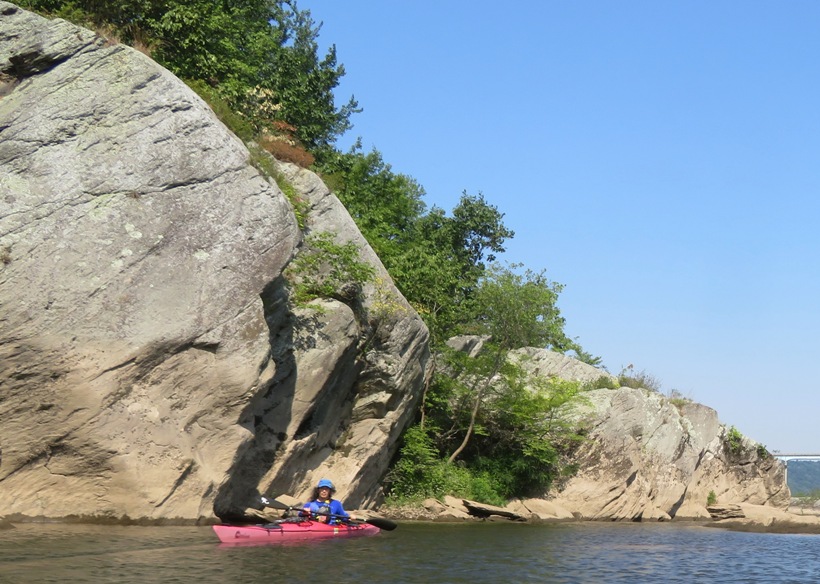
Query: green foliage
x,y
303,83
519,310
385,303
420,473
436,260
475,232
678,403
518,434
524,430
74,11
677,399
454,248
416,475
384,205
734,440
711,499
585,357
603,382
498,422
326,269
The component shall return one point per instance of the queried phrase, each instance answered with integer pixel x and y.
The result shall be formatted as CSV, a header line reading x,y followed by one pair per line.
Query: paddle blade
x,y
275,504
382,523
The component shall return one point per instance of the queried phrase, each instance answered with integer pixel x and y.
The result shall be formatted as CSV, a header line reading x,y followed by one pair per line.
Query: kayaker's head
x,y
324,490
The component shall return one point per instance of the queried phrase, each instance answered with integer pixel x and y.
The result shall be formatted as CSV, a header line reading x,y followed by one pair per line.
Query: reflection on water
x,y
413,553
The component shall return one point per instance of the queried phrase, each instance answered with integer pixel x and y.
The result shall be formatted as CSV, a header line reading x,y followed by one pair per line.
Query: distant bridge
x,y
787,457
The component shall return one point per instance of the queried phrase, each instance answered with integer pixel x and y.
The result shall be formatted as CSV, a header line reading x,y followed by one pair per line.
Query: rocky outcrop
x,y
150,364
741,517
649,458
551,364
645,456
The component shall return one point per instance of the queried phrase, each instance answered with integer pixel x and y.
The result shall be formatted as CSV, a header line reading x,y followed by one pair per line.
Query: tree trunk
x,y
427,382
477,406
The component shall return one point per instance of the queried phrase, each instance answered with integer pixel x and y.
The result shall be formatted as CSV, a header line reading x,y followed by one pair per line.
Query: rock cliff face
x,y
149,364
645,456
651,458
648,458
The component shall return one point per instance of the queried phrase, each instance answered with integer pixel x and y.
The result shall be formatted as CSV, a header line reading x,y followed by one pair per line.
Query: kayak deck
x,y
290,531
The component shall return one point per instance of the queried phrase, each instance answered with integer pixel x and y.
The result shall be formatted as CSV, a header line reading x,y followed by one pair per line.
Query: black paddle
x,y
379,522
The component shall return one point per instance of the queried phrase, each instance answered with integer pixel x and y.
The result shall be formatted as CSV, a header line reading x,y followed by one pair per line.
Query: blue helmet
x,y
325,483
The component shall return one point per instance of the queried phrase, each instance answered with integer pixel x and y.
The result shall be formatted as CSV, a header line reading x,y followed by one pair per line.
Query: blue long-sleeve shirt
x,y
332,506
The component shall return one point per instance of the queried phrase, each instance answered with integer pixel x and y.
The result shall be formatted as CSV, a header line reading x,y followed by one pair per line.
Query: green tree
x,y
303,83
515,310
451,251
525,429
586,357
435,259
520,433
385,205
519,309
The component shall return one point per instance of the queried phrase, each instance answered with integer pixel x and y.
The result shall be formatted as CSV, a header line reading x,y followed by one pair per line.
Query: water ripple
x,y
583,553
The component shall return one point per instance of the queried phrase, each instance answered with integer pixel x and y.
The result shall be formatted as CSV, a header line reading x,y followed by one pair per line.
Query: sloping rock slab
x,y
540,509
725,512
692,512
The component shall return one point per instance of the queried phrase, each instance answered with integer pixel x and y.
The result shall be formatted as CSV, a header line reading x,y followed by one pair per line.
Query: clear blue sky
x,y
661,160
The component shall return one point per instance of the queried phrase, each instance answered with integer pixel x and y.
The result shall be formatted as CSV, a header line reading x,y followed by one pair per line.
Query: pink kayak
x,y
290,531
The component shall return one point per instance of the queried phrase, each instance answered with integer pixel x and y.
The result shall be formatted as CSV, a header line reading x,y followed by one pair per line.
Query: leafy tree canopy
x,y
519,309
435,259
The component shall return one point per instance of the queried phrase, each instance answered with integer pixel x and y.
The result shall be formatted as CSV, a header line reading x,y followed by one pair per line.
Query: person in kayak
x,y
324,507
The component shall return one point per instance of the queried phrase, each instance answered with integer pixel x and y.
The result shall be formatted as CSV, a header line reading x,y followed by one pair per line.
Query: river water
x,y
414,553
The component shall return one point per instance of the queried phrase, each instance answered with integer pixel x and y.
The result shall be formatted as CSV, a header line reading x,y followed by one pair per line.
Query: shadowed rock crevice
x,y
266,415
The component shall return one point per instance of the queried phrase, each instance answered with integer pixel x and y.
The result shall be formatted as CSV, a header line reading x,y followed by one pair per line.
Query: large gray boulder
x,y
150,364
